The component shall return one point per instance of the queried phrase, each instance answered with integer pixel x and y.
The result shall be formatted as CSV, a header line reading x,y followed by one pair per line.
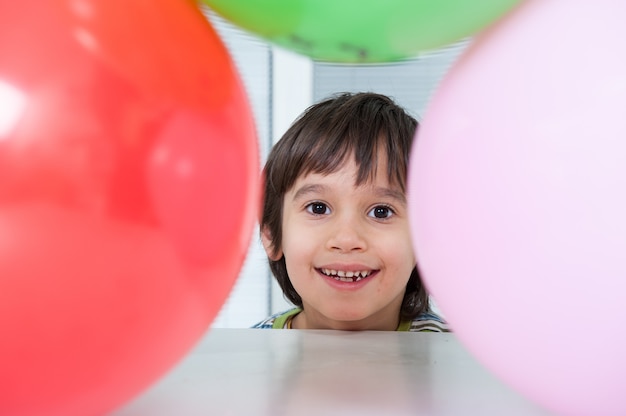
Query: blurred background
x,y
280,85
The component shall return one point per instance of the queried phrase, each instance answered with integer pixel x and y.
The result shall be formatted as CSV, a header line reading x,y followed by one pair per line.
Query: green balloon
x,y
361,31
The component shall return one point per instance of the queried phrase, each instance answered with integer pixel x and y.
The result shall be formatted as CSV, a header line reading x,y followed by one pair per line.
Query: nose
x,y
347,234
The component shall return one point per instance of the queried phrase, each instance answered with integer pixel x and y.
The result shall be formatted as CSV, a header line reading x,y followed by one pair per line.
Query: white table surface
x,y
306,372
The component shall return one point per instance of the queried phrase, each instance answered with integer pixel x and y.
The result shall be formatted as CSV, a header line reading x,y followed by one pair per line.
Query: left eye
x,y
381,212
318,208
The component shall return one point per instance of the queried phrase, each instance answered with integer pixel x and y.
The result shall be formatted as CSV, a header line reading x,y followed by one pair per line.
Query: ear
x,y
266,239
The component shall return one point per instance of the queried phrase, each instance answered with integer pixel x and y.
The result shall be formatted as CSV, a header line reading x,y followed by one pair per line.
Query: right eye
x,y
318,208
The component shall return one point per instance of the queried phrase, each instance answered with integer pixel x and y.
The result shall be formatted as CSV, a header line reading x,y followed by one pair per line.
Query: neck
x,y
311,320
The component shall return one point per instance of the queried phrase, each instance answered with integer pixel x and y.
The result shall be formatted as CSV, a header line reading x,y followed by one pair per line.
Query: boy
x,y
335,220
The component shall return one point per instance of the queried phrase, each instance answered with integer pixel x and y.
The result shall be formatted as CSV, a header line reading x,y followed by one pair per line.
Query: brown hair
x,y
319,141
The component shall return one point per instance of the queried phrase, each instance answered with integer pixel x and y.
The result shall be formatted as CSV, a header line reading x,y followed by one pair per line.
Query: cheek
x,y
404,262
297,238
400,255
294,248
297,248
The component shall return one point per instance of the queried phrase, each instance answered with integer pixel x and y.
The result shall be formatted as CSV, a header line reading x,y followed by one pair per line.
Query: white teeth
x,y
346,276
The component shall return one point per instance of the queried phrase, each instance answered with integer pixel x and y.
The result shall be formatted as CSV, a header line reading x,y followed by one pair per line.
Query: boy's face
x,y
347,249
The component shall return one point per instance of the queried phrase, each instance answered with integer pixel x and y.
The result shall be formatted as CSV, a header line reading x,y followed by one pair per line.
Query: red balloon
x,y
128,193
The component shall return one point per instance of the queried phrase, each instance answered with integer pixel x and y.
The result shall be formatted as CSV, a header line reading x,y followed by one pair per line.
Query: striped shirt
x,y
426,322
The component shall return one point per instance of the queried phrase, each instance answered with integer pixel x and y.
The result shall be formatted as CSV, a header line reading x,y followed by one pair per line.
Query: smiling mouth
x,y
346,276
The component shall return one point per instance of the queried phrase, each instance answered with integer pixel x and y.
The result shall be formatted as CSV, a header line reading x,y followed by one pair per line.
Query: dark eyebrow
x,y
309,189
380,192
390,193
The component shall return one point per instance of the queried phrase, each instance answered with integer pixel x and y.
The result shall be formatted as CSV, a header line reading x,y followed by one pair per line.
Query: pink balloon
x,y
517,194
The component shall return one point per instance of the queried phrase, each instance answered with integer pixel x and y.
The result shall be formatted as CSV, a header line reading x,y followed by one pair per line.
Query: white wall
x,y
279,87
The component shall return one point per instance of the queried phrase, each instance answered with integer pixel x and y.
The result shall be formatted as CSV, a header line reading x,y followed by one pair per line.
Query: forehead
x,y
344,178
365,167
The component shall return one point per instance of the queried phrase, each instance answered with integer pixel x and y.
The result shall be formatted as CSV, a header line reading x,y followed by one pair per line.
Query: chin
x,y
348,316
